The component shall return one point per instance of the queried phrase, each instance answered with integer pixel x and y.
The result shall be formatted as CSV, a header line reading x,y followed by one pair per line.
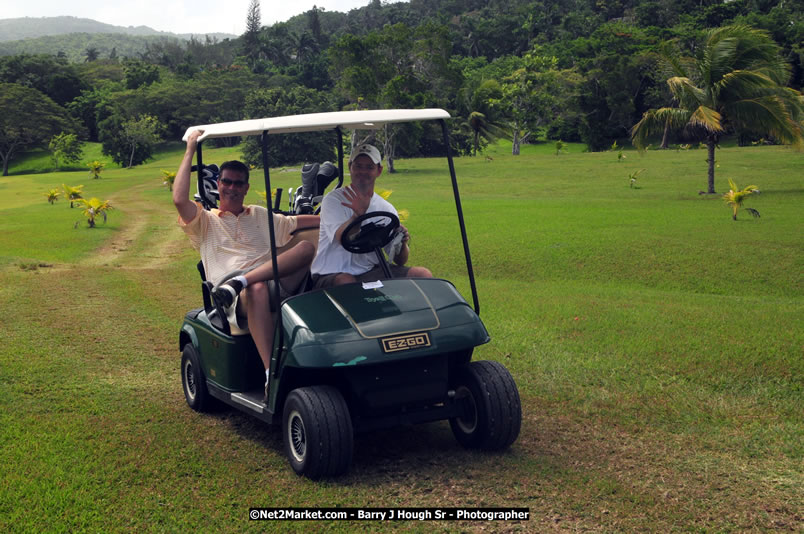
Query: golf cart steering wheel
x,y
359,239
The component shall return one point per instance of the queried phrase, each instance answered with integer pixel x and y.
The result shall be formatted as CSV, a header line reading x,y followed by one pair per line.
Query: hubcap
x,y
297,436
467,423
189,380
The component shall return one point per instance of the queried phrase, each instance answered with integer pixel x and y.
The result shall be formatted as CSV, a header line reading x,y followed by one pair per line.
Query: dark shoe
x,y
225,294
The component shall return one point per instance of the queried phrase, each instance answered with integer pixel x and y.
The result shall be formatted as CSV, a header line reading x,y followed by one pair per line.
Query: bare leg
x,y
260,319
419,272
257,299
295,261
343,278
413,272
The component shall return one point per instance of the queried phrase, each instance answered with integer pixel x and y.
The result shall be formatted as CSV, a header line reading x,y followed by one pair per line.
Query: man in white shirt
x,y
236,237
334,265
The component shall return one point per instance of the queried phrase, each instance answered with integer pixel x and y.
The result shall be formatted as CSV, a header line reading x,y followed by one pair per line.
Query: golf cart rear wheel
x,y
193,381
317,432
492,410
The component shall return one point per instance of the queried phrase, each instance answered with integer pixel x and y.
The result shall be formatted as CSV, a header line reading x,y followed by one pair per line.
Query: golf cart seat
x,y
228,321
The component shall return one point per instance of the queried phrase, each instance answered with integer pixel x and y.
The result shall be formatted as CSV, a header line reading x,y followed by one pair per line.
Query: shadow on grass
x,y
424,452
99,227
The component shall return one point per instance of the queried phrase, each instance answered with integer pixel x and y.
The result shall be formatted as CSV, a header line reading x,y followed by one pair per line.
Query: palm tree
x,y
736,196
52,195
735,82
72,193
95,168
93,208
302,45
169,177
483,127
264,196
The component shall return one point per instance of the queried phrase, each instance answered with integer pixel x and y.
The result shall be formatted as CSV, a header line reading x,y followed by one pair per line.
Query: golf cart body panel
x,y
327,333
353,325
232,363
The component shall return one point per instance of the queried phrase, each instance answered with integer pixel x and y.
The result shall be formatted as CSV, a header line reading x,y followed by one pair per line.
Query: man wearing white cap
x,y
334,265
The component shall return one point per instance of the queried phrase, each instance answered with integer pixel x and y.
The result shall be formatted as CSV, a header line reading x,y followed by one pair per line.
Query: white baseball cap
x,y
369,150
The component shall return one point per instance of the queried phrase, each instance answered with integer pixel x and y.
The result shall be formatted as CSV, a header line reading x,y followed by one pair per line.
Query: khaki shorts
x,y
321,281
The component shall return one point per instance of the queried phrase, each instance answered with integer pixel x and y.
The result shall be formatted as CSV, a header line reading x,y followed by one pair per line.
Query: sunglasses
x,y
235,183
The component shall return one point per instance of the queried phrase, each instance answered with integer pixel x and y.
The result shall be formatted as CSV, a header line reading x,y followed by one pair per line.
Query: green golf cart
x,y
352,358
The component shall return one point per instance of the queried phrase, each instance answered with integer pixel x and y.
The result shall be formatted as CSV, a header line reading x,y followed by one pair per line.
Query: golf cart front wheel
x,y
193,381
492,413
317,432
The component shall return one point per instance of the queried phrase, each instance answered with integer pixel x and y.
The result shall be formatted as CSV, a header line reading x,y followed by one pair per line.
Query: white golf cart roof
x,y
312,122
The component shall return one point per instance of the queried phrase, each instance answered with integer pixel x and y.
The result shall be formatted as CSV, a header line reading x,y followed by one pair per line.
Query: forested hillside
x,y
575,70
77,47
72,38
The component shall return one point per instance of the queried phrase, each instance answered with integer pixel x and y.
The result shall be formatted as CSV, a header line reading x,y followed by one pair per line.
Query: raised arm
x,y
358,202
181,186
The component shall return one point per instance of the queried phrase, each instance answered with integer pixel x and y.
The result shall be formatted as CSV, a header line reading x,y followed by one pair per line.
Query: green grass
x,y
656,343
40,161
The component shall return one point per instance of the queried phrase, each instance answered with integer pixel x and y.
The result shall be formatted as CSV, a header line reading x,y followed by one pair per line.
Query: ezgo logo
x,y
406,342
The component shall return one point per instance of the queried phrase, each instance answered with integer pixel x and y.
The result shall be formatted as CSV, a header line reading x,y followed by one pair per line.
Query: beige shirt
x,y
228,242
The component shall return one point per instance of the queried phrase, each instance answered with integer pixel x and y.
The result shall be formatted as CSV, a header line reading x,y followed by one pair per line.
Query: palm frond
x,y
753,212
736,196
756,50
769,113
654,121
264,196
732,185
720,53
685,91
671,59
740,83
706,118
486,127
384,193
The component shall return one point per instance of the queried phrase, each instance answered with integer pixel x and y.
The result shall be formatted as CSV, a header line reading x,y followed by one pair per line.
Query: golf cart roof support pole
x,y
340,151
460,216
200,165
266,172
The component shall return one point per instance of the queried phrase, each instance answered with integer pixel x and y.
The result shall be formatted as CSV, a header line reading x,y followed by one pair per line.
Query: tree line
x,y
574,70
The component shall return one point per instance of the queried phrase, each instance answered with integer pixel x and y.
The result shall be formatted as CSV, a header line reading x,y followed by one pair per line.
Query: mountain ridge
x,y
22,28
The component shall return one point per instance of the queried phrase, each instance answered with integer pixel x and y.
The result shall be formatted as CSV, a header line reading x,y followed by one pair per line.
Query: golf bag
x,y
315,180
207,193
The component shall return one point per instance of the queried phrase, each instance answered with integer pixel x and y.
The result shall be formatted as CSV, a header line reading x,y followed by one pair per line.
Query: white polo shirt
x,y
332,257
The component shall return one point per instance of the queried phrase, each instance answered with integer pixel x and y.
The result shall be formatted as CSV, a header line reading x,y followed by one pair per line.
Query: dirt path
x,y
149,237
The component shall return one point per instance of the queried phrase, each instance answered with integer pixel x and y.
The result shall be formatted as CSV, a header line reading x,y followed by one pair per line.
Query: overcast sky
x,y
177,16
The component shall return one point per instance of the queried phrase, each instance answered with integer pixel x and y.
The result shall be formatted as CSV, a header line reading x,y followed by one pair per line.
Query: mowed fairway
x,y
657,344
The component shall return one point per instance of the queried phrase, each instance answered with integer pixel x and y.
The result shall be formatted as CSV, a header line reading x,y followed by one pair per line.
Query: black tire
x,y
193,381
317,432
494,412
